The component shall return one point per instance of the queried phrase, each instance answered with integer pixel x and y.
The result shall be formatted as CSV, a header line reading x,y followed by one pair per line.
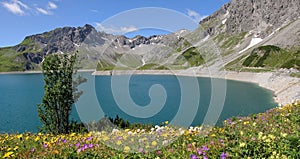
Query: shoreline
x,y
283,86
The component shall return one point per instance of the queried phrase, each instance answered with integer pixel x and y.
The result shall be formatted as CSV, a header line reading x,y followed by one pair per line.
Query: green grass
x,y
208,24
266,58
192,56
153,66
232,40
7,60
273,134
272,57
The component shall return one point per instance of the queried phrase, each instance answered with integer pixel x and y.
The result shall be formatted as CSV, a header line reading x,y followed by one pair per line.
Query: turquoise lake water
x,y
20,93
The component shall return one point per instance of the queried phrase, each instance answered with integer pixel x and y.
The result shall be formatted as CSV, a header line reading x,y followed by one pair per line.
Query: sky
x,y
21,18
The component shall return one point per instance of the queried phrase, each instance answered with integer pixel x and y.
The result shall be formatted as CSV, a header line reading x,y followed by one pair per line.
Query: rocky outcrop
x,y
260,16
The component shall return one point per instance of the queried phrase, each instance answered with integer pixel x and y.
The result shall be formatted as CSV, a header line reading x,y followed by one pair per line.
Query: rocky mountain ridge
x,y
231,33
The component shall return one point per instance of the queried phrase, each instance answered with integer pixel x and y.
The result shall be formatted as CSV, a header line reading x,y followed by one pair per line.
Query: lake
x,y
140,98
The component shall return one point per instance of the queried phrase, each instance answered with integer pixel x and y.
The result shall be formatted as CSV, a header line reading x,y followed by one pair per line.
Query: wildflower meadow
x,y
273,134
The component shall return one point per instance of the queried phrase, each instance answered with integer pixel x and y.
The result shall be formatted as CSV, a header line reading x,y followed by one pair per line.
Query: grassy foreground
x,y
273,134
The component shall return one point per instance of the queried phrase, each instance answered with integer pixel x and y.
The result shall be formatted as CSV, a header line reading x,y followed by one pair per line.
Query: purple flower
x,y
192,156
158,152
45,145
224,155
141,149
70,145
119,138
32,149
204,148
205,157
200,152
91,145
85,146
79,150
229,121
64,140
89,138
189,145
78,144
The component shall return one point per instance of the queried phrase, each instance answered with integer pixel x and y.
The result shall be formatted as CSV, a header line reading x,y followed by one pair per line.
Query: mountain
x,y
242,28
255,35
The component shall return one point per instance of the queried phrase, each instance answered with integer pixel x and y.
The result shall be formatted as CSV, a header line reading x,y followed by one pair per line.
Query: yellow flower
x,y
246,122
186,133
254,124
242,133
105,138
73,134
221,130
271,136
167,122
242,144
154,143
37,138
8,154
267,140
283,134
16,148
126,148
56,152
20,136
213,135
119,142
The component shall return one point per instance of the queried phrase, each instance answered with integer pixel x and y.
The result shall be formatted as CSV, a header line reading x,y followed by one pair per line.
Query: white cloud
x,y
195,16
43,11
115,30
95,11
22,4
51,5
16,7
47,11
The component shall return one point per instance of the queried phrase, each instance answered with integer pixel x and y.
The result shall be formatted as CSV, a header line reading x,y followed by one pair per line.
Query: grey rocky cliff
x,y
260,16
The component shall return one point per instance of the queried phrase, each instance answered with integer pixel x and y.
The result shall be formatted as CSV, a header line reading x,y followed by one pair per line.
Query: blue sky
x,y
20,18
